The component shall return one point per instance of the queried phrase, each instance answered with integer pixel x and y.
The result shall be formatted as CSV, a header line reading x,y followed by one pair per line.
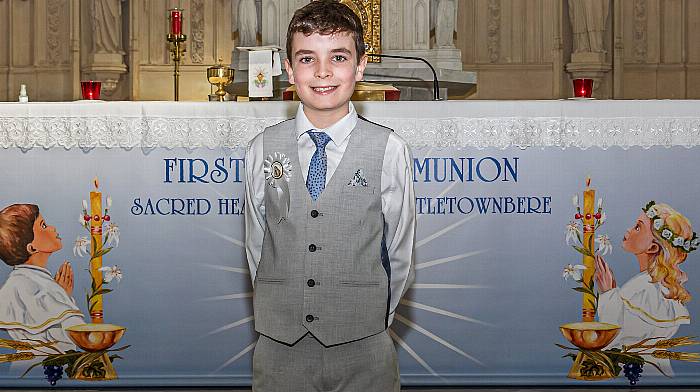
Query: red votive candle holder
x,y
583,88
176,21
90,89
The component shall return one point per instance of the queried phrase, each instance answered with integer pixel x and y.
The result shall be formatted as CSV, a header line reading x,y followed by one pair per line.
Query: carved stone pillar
x,y
589,21
105,61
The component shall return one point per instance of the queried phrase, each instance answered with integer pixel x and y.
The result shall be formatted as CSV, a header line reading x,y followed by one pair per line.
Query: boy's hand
x,y
64,277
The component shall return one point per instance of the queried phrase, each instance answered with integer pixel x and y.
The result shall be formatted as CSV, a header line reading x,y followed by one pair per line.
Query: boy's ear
x,y
290,71
361,65
31,249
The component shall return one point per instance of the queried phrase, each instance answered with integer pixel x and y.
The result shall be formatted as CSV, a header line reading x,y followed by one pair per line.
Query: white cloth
x,y
34,307
260,73
641,310
473,124
398,202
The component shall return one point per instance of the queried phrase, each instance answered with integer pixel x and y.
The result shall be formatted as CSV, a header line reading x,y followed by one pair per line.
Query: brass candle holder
x,y
177,48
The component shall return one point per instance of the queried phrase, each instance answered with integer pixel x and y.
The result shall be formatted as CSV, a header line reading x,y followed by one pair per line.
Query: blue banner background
x,y
500,329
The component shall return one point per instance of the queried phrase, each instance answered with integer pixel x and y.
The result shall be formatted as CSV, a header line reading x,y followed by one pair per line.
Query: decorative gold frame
x,y
370,12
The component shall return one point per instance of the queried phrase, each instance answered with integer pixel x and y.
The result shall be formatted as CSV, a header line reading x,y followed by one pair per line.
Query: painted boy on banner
x,y
34,305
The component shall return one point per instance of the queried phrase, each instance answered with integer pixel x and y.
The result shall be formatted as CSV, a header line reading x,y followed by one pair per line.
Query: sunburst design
x,y
234,324
404,303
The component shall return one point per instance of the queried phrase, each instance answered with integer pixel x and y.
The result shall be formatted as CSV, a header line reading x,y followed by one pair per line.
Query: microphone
x,y
436,83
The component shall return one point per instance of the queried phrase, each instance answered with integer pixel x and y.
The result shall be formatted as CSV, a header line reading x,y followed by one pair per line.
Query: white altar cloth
x,y
480,124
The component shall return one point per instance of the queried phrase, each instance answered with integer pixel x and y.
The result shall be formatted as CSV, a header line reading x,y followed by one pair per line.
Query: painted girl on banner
x,y
652,303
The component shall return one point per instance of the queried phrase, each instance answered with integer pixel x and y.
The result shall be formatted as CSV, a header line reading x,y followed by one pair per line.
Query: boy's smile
x,y
324,69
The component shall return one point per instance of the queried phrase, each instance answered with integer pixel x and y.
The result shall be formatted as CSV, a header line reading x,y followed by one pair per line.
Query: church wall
x,y
658,57
208,29
519,48
509,43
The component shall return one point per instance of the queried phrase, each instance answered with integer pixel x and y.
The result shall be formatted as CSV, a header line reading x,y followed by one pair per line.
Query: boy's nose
x,y
322,71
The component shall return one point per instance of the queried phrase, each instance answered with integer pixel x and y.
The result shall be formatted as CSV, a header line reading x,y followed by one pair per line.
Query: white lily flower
x,y
600,202
604,244
572,232
111,273
574,200
602,218
112,233
573,271
109,202
81,220
80,248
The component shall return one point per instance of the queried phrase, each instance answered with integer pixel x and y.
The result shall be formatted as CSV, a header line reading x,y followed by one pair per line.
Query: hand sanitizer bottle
x,y
23,93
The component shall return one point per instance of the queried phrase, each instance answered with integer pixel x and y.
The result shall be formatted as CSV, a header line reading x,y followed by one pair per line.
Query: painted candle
x,y
588,309
96,307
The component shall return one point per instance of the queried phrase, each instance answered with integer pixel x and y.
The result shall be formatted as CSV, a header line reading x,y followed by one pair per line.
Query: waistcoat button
x,y
311,283
312,248
309,318
314,213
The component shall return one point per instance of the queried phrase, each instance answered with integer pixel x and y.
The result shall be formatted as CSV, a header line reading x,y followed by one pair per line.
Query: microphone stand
x,y
436,83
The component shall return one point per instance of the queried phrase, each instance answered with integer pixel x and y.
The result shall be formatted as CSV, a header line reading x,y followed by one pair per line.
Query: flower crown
x,y
666,233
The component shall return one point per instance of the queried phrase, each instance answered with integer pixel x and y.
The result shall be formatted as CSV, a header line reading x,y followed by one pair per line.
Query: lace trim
x,y
151,132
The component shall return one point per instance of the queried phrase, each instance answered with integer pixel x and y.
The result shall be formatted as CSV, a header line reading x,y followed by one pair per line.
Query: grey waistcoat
x,y
324,267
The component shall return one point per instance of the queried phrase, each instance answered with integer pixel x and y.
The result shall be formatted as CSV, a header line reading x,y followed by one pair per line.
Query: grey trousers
x,y
366,365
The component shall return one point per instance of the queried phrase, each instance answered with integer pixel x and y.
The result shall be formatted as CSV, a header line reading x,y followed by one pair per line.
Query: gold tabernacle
x,y
370,12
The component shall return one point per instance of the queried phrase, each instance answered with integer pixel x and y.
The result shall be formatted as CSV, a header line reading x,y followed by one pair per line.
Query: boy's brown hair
x,y
326,17
16,232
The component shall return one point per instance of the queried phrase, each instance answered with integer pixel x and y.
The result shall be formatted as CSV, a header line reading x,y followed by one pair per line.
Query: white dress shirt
x,y
398,201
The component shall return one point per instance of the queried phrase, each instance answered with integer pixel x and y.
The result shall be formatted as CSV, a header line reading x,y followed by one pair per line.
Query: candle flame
x,y
588,181
96,182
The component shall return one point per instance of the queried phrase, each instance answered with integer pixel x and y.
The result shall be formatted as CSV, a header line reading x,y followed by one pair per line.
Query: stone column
x,y
589,21
105,61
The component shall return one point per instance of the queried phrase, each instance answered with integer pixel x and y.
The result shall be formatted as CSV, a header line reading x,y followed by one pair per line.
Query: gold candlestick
x,y
96,307
588,307
177,48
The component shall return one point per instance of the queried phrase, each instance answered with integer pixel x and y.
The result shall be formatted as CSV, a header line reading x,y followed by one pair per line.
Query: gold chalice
x,y
221,76
590,336
95,338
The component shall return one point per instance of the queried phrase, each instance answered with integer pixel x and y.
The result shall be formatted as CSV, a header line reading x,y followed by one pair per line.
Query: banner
x,y
506,243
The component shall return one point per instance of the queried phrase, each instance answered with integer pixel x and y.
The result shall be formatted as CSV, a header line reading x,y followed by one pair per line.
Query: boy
x,y
330,222
33,304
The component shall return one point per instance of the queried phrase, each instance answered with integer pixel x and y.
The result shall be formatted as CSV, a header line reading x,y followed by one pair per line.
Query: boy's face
x,y
46,239
324,69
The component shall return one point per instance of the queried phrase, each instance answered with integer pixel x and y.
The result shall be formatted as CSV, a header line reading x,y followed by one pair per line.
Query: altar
x,y
501,189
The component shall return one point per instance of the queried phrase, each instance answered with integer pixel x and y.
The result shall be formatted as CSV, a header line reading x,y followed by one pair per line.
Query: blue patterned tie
x,y
316,179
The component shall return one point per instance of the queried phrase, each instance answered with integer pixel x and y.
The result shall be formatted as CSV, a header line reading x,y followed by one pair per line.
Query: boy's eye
x,y
636,227
43,225
305,60
339,58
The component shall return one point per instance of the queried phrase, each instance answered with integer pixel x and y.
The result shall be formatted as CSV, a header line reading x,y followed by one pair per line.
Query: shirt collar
x,y
32,267
338,132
